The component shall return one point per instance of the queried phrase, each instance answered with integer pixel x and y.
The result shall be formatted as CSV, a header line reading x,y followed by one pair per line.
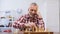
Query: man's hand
x,y
31,24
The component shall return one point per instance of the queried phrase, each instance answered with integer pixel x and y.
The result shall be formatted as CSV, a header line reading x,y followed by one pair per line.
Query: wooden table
x,y
29,33
38,33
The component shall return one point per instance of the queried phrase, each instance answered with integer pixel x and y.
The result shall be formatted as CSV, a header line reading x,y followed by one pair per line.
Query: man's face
x,y
33,9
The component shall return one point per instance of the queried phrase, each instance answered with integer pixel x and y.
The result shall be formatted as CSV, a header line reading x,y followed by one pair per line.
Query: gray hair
x,y
35,4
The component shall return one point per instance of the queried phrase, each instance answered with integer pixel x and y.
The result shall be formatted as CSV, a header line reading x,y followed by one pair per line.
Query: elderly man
x,y
32,19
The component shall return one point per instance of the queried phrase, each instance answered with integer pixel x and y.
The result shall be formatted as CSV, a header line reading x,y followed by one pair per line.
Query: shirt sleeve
x,y
41,24
19,23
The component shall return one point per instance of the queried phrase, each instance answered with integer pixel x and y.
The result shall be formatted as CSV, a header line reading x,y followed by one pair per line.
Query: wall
x,y
53,15
48,8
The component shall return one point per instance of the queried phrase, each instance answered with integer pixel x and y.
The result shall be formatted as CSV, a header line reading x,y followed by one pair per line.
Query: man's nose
x,y
33,11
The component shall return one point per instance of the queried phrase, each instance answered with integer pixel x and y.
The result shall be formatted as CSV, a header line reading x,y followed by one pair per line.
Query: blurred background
x,y
11,10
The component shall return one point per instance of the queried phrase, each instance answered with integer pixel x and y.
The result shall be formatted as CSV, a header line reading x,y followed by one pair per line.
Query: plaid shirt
x,y
24,19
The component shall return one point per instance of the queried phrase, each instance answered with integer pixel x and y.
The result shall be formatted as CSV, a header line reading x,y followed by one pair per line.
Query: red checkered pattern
x,y
24,19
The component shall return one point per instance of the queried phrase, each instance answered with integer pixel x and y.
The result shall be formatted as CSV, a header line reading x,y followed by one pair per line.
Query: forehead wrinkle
x,y
33,7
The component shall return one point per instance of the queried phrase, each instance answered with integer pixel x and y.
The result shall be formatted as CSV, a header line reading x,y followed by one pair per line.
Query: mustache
x,y
34,14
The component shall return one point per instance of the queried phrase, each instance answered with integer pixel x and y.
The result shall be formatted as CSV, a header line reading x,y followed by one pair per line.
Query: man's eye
x,y
31,9
35,10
